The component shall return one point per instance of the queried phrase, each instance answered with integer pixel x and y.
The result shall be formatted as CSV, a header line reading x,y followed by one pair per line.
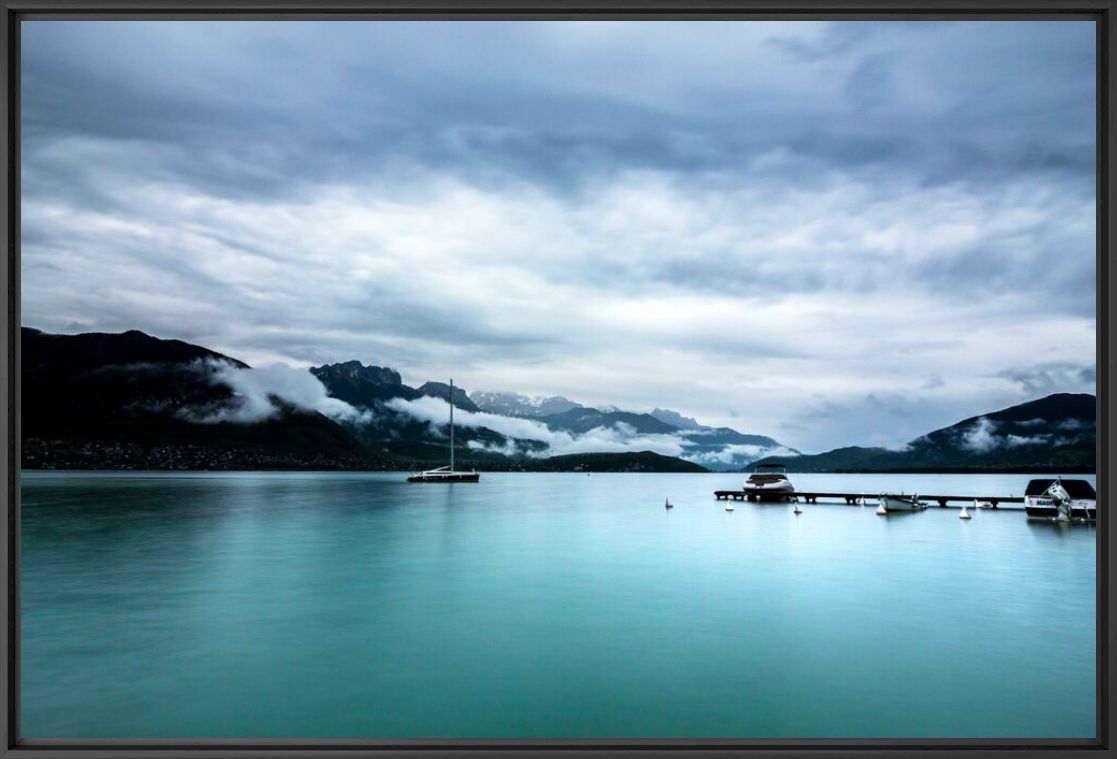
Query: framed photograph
x,y
402,378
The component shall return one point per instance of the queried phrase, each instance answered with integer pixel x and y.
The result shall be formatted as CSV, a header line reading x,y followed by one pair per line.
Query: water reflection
x,y
541,606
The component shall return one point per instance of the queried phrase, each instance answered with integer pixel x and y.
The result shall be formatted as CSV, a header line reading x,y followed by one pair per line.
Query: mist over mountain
x,y
1057,432
131,400
675,419
442,390
586,419
517,404
134,401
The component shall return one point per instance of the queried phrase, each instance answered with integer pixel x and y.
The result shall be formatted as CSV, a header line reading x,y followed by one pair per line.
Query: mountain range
x,y
516,404
1054,433
130,400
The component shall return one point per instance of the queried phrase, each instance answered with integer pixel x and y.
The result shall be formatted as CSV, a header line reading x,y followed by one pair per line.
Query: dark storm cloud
x,y
1054,377
532,201
275,107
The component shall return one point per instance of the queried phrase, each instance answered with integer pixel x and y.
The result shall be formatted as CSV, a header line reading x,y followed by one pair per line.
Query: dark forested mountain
x,y
442,390
91,384
635,461
360,385
1057,432
69,354
118,400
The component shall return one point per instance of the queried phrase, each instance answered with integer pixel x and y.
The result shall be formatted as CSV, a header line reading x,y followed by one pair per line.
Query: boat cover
x,y
1076,489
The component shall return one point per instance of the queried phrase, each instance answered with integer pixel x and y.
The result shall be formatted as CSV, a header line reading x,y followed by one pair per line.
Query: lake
x,y
340,605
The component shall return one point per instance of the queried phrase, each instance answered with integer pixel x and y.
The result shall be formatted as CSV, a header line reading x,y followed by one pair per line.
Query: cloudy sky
x,y
828,232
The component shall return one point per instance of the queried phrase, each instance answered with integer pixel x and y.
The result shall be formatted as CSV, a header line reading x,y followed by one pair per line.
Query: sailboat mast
x,y
451,424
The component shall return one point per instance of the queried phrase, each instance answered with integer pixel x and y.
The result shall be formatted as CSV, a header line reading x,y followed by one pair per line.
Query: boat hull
x,y
1044,510
769,488
1041,507
900,503
455,477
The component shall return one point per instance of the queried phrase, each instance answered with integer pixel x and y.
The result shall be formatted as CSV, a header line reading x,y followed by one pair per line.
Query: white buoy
x,y
965,514
881,511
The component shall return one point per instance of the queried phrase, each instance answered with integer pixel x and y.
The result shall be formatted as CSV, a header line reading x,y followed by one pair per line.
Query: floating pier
x,y
850,499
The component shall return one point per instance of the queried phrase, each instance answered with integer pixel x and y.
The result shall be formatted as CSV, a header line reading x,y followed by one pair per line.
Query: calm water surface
x,y
549,606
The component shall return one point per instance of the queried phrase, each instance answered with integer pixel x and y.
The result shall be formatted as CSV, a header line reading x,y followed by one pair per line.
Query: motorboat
x,y
900,502
1060,500
768,482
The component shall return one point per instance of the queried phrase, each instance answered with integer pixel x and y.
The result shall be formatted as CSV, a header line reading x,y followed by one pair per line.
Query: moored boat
x,y
1060,500
768,482
447,473
444,474
900,502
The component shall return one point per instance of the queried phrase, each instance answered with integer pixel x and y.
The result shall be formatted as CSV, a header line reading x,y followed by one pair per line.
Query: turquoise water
x,y
544,606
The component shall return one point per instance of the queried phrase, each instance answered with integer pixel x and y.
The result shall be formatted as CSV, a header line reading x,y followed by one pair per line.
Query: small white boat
x,y
965,514
768,482
668,505
881,511
797,510
901,502
728,506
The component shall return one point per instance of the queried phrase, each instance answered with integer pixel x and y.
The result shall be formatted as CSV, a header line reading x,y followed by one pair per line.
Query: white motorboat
x,y
768,482
1061,500
901,502
447,473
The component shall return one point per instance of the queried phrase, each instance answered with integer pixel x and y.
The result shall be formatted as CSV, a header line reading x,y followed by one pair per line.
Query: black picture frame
x,y
1100,11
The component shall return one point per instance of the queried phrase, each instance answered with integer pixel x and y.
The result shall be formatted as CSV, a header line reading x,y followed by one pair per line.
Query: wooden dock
x,y
850,499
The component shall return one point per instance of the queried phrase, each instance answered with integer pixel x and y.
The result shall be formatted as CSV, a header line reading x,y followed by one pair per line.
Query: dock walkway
x,y
851,498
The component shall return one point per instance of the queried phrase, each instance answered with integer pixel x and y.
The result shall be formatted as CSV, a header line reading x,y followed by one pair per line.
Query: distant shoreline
x,y
101,470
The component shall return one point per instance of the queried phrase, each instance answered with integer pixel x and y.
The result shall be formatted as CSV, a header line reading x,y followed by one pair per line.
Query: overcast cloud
x,y
831,233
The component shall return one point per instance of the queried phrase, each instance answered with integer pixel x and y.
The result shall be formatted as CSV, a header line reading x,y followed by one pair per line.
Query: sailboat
x,y
447,473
